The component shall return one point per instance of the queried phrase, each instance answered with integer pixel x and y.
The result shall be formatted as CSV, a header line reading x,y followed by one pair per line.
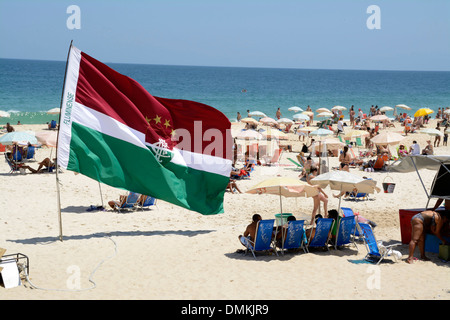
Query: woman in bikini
x,y
426,222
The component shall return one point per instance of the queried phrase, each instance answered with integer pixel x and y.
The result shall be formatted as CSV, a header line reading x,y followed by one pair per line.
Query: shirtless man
x,y
250,232
423,223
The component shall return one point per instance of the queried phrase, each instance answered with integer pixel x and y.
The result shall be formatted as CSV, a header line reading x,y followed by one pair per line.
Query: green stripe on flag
x,y
124,165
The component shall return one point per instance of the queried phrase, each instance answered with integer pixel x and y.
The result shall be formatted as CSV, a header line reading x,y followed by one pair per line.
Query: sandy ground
x,y
171,253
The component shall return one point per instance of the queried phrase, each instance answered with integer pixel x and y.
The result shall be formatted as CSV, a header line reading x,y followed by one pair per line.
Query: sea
x,y
29,88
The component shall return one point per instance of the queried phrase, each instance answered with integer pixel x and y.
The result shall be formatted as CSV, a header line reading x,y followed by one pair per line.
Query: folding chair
x,y
376,251
263,238
130,202
294,236
321,235
299,166
348,212
345,232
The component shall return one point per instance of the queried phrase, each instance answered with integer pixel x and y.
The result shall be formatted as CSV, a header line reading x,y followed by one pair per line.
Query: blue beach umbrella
x,y
18,136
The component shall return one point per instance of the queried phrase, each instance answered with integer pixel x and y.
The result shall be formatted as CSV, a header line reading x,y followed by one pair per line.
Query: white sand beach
x,y
171,253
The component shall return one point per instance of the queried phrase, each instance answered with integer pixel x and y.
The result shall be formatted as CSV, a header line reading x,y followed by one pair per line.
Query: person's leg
x,y
416,233
325,205
315,208
421,244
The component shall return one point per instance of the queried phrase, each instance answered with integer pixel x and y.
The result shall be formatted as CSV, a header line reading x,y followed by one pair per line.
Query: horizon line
x,y
243,67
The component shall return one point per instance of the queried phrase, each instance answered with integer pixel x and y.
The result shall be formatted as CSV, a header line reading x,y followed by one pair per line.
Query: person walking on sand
x,y
426,222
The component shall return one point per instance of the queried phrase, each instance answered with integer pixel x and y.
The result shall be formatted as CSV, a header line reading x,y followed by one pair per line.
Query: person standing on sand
x,y
437,139
278,114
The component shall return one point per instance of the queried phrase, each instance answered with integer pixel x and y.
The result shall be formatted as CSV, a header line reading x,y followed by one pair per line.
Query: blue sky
x,y
324,34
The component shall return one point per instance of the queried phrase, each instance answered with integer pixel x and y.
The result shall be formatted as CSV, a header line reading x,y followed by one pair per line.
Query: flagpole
x,y
58,199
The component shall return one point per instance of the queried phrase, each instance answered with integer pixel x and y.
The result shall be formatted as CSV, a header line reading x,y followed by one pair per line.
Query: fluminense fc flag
x,y
113,131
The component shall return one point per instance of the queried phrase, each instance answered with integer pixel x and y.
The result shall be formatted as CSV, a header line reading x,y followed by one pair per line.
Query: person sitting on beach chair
x,y
250,231
233,186
44,166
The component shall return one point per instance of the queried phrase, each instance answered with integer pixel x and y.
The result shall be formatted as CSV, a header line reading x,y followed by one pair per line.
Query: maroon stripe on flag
x,y
105,90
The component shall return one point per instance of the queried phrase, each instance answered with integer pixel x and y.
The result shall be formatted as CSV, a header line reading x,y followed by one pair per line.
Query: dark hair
x,y
256,217
333,214
291,218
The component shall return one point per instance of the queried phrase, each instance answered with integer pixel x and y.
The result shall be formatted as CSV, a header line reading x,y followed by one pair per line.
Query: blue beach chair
x,y
148,202
348,212
130,202
263,237
321,235
294,235
376,251
31,152
345,232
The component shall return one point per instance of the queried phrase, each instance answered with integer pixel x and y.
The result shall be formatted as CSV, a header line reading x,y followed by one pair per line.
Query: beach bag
x,y
388,187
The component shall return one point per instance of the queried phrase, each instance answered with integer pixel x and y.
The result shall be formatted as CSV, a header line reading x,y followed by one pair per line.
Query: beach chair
x,y
13,166
359,196
130,202
321,235
348,212
31,152
147,203
294,236
275,158
359,142
376,251
299,166
52,124
345,232
263,238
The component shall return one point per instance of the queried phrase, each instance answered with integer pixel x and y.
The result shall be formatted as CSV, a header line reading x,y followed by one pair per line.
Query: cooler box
x,y
405,223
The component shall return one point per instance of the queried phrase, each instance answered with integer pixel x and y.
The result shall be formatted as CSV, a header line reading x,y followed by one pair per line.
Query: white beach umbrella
x,y
403,106
268,120
447,111
249,135
432,132
386,108
339,108
320,110
249,120
295,109
285,121
324,115
387,138
257,114
54,111
380,117
345,181
4,114
301,116
47,138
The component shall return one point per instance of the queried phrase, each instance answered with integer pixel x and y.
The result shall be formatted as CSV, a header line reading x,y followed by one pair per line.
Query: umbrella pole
x,y
340,196
281,205
101,195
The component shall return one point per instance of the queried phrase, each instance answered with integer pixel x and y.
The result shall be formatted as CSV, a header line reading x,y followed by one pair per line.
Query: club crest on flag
x,y
160,149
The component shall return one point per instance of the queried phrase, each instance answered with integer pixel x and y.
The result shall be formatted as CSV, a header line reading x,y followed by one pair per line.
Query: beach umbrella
x,y
284,186
403,106
22,137
249,135
4,114
285,121
344,181
309,113
387,138
331,143
356,133
268,120
249,120
320,110
301,116
324,115
423,112
338,108
257,114
307,129
275,133
386,108
321,132
54,111
380,117
447,111
295,109
47,138
432,132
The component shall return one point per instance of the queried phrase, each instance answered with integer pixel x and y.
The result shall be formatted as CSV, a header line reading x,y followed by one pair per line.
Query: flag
x,y
113,131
